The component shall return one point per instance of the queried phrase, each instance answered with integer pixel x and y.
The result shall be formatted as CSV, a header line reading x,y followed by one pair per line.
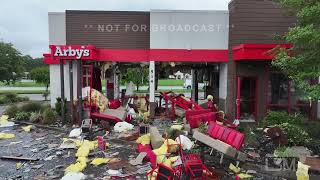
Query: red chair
x,y
165,173
194,167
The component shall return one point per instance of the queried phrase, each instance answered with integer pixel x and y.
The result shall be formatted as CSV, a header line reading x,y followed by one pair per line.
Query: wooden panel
x,y
109,29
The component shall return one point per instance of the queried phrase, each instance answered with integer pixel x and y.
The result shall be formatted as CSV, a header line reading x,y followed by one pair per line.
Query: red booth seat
x,y
195,120
225,134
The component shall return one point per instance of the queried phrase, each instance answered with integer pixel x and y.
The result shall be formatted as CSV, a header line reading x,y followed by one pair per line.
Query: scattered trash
x,y
4,121
144,139
138,159
14,143
99,161
49,158
59,153
18,165
67,145
101,143
113,172
50,146
123,127
177,126
75,133
234,169
37,166
185,142
27,128
34,150
74,176
155,137
244,176
6,135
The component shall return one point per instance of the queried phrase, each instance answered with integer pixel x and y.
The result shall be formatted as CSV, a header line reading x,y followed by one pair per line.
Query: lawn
x,y
170,82
22,91
23,84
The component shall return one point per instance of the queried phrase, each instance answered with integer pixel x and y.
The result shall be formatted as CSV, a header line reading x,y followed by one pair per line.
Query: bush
x,y
31,107
58,106
44,107
11,98
283,151
295,134
203,128
11,111
275,117
174,133
49,116
3,100
22,116
36,117
313,128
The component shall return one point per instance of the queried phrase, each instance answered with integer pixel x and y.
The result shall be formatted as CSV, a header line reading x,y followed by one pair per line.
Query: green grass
x,y
23,84
23,91
170,82
173,90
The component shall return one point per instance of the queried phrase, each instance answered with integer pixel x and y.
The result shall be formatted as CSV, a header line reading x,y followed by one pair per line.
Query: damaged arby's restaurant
x,y
226,49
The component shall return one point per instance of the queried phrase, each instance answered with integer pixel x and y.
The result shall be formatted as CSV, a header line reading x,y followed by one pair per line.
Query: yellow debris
x,y
169,161
18,165
169,146
99,161
77,167
172,145
144,139
27,128
4,119
233,168
84,148
178,127
6,136
244,176
302,171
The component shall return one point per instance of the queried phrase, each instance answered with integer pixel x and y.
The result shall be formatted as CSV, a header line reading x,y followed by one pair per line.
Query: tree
x,y
302,62
11,63
139,76
41,75
31,63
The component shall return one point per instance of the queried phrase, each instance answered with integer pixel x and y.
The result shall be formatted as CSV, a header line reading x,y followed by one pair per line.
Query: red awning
x,y
77,52
255,51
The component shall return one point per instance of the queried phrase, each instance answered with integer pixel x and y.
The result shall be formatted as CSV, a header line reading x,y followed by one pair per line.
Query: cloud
x,y
25,22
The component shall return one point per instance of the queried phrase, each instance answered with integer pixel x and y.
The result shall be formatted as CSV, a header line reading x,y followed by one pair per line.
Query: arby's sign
x,y
74,52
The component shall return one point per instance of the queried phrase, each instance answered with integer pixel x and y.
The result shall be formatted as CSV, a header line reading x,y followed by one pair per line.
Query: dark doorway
x,y
247,98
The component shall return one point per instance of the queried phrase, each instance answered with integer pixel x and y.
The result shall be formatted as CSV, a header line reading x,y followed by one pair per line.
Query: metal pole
x,y
62,91
79,89
152,88
71,91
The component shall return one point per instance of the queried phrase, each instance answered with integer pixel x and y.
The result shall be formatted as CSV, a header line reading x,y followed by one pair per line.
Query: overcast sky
x,y
24,23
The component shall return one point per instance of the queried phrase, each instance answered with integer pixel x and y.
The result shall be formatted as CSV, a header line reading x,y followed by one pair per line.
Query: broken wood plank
x,y
19,158
40,126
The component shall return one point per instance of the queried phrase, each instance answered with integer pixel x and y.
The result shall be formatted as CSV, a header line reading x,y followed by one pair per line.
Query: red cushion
x,y
215,131
194,122
220,132
225,134
190,113
238,140
231,137
211,125
143,148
